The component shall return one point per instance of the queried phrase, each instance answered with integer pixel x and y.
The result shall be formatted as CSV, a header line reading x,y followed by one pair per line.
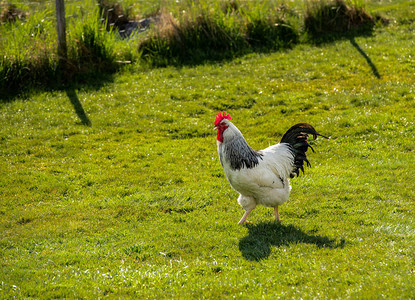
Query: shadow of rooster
x,y
257,244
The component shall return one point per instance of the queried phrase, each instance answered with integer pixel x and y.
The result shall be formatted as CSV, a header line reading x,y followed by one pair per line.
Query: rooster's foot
x,y
244,222
243,219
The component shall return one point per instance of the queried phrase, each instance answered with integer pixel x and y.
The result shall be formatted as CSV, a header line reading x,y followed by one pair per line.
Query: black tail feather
x,y
296,137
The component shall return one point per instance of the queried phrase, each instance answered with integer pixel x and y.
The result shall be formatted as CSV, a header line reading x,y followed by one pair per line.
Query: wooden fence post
x,y
61,29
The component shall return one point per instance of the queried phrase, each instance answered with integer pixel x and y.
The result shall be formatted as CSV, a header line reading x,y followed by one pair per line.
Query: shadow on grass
x,y
197,57
45,79
327,38
365,56
257,245
73,97
91,82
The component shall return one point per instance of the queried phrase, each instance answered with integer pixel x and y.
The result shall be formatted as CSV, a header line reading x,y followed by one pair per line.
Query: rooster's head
x,y
221,124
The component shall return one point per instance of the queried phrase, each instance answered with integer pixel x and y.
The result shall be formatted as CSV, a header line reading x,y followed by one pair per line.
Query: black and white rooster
x,y
261,177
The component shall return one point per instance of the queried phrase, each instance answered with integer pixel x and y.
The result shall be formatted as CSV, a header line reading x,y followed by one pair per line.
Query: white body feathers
x,y
266,180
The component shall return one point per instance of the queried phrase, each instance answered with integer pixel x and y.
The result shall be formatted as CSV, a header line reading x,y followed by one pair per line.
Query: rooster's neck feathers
x,y
235,150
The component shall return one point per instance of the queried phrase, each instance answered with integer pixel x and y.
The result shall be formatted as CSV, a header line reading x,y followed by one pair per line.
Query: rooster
x,y
262,177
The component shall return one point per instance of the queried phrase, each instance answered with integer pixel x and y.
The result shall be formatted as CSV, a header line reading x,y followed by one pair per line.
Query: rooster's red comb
x,y
222,116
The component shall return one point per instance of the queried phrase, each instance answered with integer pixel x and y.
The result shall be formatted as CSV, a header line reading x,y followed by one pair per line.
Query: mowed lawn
x,y
116,189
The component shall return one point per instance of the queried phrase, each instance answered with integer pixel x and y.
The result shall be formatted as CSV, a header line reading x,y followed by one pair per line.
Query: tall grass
x,y
29,50
324,17
91,48
205,30
182,33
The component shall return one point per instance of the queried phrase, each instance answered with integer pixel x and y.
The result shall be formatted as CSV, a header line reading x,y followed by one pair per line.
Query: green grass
x,y
215,30
326,20
118,191
186,32
28,48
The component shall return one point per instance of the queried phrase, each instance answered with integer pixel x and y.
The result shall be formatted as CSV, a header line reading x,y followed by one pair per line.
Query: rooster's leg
x,y
243,219
276,214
